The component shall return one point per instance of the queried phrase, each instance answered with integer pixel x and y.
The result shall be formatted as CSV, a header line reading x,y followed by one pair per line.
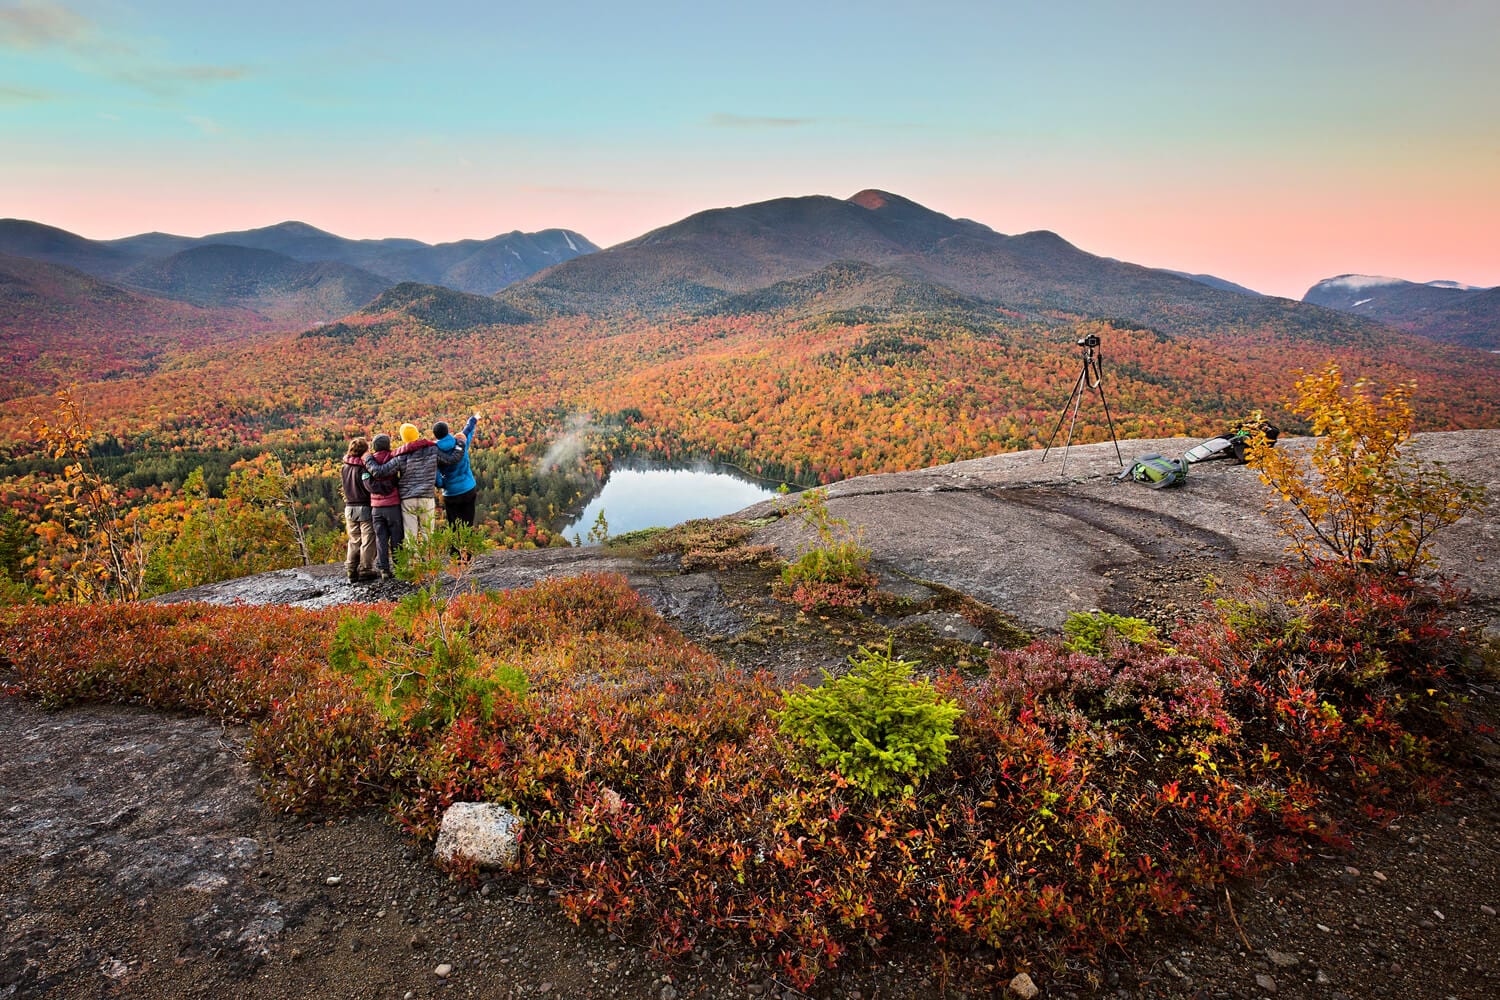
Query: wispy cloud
x,y
579,191
169,81
205,125
41,25
725,119
23,95
35,25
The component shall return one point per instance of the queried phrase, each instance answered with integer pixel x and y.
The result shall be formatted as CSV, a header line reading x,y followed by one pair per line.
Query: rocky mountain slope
x,y
1089,540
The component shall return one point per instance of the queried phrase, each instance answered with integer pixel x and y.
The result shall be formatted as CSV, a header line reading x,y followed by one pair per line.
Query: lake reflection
x,y
636,498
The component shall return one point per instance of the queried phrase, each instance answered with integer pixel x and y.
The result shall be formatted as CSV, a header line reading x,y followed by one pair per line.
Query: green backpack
x,y
1157,471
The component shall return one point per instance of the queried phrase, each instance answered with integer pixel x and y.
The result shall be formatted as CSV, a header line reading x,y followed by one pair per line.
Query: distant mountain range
x,y
292,292
1442,310
885,252
291,272
1211,281
738,332
806,255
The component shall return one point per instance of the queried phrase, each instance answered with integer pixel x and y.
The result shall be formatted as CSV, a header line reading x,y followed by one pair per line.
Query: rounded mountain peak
x,y
874,199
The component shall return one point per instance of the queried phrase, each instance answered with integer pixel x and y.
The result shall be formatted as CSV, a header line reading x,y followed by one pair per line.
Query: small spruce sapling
x,y
834,568
418,664
877,726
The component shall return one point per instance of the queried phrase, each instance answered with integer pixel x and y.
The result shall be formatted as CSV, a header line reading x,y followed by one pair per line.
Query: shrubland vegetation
x,y
1047,806
1056,803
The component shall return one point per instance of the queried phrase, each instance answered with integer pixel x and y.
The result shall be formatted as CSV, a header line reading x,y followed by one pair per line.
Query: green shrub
x,y
419,666
833,570
1085,630
880,729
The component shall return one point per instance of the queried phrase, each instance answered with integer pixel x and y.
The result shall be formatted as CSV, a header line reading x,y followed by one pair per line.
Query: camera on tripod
x,y
1091,379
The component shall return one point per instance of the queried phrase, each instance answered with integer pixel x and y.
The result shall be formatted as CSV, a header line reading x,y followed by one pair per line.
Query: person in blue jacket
x,y
457,479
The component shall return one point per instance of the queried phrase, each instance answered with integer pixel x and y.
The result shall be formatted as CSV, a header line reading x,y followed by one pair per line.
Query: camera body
x,y
1092,340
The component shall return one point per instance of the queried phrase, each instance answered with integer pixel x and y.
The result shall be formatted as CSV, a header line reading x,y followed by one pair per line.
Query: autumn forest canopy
x,y
803,340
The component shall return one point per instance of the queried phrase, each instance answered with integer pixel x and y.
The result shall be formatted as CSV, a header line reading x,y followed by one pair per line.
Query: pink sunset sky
x,y
1272,147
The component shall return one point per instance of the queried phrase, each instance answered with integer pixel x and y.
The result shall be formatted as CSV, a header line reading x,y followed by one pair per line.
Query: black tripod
x,y
1091,362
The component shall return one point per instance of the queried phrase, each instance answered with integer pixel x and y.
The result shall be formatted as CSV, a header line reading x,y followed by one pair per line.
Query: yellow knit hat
x,y
409,433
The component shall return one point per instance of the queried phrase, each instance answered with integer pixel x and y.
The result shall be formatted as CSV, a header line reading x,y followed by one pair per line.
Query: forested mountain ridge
x,y
477,266
807,338
35,241
290,292
59,325
1442,310
702,261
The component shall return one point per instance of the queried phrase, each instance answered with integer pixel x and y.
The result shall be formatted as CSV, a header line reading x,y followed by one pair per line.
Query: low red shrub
x,y
1084,797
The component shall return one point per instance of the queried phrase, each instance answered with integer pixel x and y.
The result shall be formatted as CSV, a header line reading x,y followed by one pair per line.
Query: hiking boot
x,y
367,575
386,574
353,575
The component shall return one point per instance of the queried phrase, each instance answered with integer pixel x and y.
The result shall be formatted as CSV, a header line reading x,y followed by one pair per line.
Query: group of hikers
x,y
391,495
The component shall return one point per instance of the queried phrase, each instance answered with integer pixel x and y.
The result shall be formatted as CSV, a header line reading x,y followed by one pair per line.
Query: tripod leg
x,y
1099,384
1074,395
1077,405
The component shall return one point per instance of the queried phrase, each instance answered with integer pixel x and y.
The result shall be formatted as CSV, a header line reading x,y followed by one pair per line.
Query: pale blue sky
x,y
1272,143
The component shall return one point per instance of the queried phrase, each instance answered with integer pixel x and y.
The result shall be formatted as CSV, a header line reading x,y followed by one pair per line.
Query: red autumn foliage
x,y
1084,798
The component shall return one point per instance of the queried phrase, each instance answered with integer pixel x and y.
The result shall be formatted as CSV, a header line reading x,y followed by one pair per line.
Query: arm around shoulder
x,y
384,468
448,459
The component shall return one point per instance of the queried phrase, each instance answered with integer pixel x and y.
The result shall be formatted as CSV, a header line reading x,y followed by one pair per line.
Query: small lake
x,y
637,497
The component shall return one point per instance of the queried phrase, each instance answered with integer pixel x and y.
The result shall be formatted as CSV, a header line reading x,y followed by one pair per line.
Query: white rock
x,y
1023,987
443,971
483,833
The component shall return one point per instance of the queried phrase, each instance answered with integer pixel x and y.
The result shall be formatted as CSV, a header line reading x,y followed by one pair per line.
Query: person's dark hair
x,y
357,447
440,429
382,442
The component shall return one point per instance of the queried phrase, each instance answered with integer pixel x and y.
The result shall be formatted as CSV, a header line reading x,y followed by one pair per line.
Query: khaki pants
x,y
417,516
361,554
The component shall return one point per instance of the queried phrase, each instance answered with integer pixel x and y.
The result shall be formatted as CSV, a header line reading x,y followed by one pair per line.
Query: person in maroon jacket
x,y
361,555
385,503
